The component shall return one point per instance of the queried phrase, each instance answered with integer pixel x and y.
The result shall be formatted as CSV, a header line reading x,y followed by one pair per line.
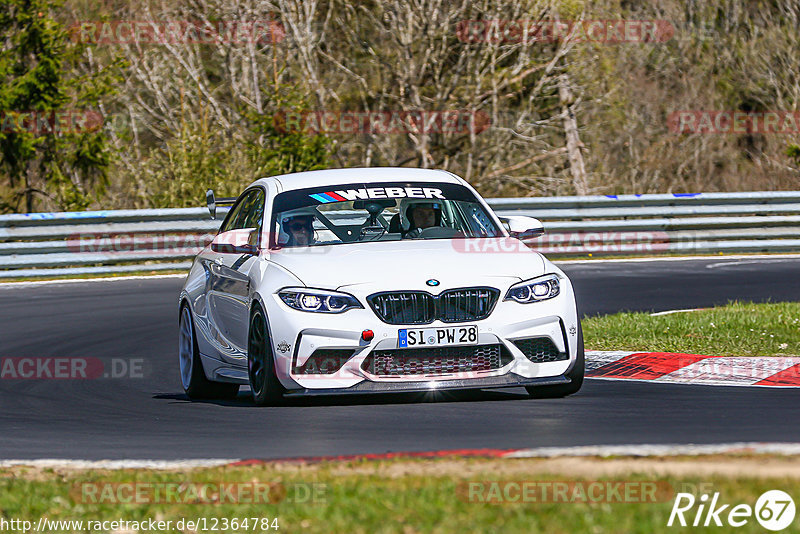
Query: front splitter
x,y
493,382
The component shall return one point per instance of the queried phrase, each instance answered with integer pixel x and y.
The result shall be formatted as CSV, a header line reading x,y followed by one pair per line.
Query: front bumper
x,y
296,335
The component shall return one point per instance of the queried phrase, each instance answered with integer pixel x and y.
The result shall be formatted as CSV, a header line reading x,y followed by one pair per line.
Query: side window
x,y
254,216
474,221
247,213
230,220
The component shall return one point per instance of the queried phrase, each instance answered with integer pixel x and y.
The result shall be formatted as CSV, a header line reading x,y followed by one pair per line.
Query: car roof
x,y
302,180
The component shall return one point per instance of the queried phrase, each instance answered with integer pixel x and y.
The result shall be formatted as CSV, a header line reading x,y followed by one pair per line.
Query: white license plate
x,y
436,337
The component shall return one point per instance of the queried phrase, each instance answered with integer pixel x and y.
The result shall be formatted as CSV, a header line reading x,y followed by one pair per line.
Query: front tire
x,y
193,378
267,390
575,375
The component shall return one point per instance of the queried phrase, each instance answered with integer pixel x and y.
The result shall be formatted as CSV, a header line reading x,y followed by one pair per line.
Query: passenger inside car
x,y
300,230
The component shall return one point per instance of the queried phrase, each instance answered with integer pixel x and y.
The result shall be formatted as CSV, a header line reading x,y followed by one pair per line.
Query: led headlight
x,y
542,288
318,300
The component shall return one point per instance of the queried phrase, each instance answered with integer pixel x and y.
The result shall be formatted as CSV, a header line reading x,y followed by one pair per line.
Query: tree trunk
x,y
574,144
29,188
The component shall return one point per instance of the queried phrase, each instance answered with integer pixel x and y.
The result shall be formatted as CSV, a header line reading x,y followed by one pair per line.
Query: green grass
x,y
738,329
363,497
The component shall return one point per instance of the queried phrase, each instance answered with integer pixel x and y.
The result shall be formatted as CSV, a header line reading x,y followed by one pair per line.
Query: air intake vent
x,y
540,350
324,362
436,360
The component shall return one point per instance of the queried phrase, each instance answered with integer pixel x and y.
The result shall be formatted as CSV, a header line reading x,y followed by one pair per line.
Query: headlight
x,y
318,300
542,288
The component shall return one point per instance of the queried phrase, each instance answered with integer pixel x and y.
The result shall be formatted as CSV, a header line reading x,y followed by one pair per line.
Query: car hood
x,y
410,264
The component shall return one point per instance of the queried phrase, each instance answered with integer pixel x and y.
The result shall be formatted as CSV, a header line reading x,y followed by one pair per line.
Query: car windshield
x,y
353,213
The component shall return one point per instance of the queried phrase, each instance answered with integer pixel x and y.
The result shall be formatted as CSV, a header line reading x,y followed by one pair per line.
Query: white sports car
x,y
374,280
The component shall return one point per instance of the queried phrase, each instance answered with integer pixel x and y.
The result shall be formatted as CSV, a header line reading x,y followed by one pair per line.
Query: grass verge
x,y
397,495
738,329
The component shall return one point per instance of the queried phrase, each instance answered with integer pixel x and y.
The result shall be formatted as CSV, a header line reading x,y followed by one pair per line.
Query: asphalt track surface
x,y
150,418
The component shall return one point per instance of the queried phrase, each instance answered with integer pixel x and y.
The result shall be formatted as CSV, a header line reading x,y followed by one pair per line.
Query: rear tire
x,y
193,378
267,389
575,375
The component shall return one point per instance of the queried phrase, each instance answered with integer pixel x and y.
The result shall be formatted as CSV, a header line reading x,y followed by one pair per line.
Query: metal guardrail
x,y
77,243
701,223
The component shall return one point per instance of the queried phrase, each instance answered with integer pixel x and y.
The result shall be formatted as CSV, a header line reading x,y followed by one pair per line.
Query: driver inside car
x,y
300,229
421,215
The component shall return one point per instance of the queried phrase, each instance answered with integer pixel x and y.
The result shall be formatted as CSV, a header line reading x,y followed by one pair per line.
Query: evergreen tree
x,y
53,153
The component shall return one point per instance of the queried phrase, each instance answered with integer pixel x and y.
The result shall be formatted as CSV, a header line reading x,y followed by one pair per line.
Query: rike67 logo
x,y
774,510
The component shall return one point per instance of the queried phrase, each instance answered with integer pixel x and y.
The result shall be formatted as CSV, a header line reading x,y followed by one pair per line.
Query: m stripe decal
x,y
328,197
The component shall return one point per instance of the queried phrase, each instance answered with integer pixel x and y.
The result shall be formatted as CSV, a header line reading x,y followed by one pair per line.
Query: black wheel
x,y
193,378
267,390
575,375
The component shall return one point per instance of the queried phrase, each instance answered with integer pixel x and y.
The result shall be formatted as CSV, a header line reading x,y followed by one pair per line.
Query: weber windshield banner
x,y
330,194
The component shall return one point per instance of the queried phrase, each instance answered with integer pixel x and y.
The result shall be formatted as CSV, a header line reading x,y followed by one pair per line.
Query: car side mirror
x,y
523,227
212,202
243,241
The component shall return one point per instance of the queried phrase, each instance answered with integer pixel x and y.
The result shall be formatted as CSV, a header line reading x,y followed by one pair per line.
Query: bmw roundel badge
x,y
432,282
